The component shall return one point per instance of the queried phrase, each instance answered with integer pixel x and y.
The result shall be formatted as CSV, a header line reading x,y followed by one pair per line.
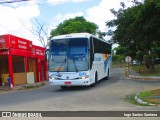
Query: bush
x,y
139,56
149,62
117,58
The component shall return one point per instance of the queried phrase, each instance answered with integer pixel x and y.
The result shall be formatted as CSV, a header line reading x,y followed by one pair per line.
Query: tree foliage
x,y
74,25
137,27
120,50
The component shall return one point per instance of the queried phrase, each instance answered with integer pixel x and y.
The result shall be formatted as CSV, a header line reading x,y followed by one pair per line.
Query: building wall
x,y
20,57
19,78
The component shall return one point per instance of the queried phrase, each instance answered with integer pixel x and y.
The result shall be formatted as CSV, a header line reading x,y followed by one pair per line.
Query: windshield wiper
x,y
75,64
62,64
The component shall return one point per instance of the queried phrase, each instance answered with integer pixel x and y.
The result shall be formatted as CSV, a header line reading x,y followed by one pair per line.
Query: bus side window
x,y
91,52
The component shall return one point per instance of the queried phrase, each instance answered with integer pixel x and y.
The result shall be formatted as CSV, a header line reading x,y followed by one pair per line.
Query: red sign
x,y
10,41
38,51
128,59
20,46
20,43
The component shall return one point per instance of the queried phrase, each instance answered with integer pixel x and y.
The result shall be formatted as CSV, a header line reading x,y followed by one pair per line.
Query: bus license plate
x,y
67,83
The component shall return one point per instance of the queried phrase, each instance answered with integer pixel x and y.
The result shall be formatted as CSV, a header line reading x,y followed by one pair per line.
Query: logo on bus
x,y
82,74
98,59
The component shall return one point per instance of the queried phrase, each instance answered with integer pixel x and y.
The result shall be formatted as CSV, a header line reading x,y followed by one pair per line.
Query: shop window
x,y
18,67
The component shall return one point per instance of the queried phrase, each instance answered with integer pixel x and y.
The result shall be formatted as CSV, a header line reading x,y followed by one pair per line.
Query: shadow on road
x,y
101,83
72,88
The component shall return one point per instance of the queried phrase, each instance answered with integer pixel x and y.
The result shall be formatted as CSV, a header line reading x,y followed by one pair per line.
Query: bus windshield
x,y
68,55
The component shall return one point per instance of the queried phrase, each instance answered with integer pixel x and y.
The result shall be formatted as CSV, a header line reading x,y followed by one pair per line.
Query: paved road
x,y
107,95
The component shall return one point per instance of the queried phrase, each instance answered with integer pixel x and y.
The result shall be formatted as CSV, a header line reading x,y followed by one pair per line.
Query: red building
x,y
22,60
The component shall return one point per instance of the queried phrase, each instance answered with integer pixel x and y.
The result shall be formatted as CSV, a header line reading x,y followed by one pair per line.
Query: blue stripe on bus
x,y
106,63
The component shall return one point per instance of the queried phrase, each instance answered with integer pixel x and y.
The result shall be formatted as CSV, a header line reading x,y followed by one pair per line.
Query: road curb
x,y
144,77
139,101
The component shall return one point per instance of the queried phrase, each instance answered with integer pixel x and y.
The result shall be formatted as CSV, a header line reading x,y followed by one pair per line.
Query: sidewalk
x,y
4,89
134,75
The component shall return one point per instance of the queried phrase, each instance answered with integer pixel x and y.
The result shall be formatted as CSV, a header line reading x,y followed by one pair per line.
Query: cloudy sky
x,y
18,18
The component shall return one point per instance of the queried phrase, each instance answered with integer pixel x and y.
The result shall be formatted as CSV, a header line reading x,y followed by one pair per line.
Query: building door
x,y
3,68
32,67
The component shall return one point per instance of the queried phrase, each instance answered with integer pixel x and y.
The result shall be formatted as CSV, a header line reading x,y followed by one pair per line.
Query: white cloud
x,y
100,14
76,1
15,20
61,17
55,2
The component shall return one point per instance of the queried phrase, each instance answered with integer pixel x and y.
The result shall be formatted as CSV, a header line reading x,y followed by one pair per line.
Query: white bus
x,y
78,59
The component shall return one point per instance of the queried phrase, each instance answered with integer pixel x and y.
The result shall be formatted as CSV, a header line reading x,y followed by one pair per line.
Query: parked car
x,y
157,61
135,62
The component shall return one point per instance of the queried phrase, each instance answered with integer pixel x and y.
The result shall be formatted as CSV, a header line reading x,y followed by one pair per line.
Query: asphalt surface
x,y
107,95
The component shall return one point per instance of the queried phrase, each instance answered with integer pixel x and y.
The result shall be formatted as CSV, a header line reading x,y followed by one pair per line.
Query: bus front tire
x,y
96,79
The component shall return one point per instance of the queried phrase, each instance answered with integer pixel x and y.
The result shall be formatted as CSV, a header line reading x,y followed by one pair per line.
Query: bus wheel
x,y
64,87
96,79
107,77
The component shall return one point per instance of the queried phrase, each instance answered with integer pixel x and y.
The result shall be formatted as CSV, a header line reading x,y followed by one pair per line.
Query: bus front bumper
x,y
80,82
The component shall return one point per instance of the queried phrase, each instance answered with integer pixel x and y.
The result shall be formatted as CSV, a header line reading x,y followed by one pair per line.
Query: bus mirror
x,y
46,54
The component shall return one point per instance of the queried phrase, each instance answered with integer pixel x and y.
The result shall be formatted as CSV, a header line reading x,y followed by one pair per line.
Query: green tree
x,y
139,55
74,25
138,27
156,51
101,34
120,50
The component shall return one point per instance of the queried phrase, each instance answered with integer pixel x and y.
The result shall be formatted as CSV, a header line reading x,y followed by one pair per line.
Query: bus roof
x,y
76,35
72,35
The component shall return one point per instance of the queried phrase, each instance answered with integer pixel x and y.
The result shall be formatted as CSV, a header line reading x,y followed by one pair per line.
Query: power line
x,y
15,1
12,1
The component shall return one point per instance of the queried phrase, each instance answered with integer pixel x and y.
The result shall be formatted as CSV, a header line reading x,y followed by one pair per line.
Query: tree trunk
x,y
151,65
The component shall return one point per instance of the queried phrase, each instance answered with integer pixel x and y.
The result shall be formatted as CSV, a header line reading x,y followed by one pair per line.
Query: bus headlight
x,y
52,77
83,77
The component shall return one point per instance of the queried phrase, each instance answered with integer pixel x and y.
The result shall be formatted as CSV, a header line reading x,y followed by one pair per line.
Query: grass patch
x,y
152,100
152,96
130,98
31,86
145,94
143,71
